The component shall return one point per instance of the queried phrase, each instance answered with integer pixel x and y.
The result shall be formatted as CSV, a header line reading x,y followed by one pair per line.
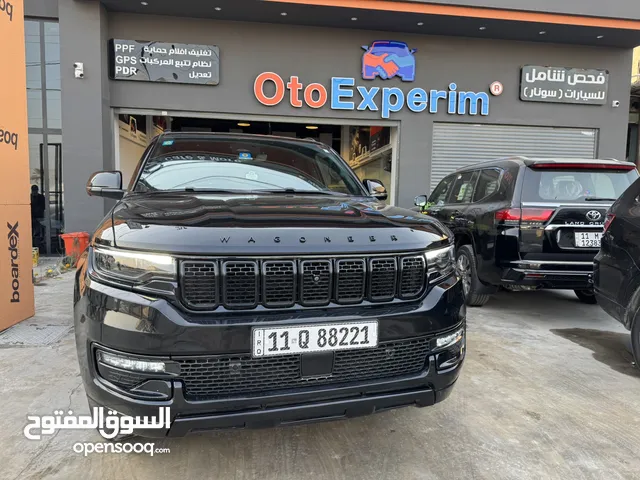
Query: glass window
x,y
34,108
575,186
462,190
32,54
54,109
52,55
439,195
245,165
488,183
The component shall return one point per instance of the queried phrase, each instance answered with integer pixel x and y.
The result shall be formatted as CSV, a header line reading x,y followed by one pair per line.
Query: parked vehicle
x,y
247,281
617,274
521,222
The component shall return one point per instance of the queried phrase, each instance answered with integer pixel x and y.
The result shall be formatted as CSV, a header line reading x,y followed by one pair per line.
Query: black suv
x,y
521,222
248,281
617,274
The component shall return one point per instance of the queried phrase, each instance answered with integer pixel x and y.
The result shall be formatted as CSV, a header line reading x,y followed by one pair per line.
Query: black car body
x,y
191,292
533,223
617,273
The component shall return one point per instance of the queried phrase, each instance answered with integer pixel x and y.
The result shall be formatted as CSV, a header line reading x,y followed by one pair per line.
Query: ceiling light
x,y
543,32
420,24
354,19
312,127
600,36
144,3
284,14
217,9
244,124
483,28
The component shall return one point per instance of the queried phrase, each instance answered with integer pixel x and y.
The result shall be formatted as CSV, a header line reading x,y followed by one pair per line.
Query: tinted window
x,y
245,164
488,184
462,191
440,194
575,186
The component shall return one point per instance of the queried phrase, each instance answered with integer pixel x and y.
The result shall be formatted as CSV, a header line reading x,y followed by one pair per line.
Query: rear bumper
x,y
576,276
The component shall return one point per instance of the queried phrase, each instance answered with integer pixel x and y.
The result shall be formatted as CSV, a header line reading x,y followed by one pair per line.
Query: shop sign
x,y
270,89
164,62
564,85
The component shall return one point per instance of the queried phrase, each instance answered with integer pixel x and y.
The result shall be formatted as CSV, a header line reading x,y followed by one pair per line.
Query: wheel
x,y
586,296
466,266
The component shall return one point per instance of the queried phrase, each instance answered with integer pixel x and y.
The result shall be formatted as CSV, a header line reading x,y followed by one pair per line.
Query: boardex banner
x,y
16,285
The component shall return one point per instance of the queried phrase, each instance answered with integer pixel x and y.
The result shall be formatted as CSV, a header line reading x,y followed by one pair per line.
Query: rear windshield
x,y
241,164
575,186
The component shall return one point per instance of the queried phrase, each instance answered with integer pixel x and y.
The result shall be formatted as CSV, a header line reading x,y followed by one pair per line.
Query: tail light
x,y
516,216
608,221
583,166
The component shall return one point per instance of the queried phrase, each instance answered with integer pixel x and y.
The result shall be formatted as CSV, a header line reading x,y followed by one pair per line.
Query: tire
x,y
466,267
635,339
586,296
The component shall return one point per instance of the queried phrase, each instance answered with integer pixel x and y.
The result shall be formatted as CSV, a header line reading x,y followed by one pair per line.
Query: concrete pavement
x,y
547,391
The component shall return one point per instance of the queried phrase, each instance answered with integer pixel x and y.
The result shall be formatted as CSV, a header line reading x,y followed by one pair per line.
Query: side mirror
x,y
105,184
376,189
420,200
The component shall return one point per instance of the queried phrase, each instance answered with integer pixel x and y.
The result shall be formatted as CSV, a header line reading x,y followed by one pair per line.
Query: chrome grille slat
x,y
236,284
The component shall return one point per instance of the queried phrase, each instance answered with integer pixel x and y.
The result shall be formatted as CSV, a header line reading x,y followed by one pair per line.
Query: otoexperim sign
x,y
270,89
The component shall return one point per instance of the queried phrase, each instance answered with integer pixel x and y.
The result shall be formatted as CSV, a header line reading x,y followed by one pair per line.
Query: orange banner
x,y
16,285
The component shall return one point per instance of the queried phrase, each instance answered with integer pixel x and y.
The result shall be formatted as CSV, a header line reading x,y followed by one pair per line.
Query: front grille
x,y
412,276
313,282
226,376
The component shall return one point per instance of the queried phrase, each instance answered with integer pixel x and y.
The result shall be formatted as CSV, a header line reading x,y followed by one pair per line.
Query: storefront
x,y
407,106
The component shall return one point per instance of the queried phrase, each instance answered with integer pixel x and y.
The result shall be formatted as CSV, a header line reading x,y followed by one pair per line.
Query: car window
x,y
245,164
462,191
440,193
488,184
575,186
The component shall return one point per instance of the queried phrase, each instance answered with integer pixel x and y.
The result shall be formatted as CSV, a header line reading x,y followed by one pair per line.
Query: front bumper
x,y
123,321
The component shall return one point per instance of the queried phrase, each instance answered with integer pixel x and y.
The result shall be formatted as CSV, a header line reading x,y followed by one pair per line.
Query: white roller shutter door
x,y
457,145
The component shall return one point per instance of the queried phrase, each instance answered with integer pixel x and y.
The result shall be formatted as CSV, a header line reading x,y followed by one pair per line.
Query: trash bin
x,y
74,245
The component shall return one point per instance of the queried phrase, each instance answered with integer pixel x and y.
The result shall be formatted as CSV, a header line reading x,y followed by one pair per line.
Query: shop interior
x,y
367,149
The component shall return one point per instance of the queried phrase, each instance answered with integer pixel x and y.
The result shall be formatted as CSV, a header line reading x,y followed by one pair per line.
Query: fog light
x,y
132,364
451,339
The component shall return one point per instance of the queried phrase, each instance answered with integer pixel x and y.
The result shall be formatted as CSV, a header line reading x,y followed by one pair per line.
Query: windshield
x,y
245,165
575,186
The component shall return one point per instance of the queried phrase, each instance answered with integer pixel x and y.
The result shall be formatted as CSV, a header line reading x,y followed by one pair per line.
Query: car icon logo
x,y
594,215
388,59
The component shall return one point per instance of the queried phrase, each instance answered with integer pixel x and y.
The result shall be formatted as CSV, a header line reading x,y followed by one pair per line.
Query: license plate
x,y
314,338
588,239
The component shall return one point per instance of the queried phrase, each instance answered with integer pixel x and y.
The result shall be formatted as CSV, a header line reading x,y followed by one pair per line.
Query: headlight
x,y
451,339
134,267
440,261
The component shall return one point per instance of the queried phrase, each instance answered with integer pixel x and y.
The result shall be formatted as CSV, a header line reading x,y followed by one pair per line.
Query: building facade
x,y
462,82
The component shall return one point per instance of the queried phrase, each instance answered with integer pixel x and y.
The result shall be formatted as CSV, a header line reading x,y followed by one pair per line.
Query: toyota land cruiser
x,y
248,281
533,223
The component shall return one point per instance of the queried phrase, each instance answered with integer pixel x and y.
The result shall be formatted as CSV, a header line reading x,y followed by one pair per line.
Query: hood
x,y
192,223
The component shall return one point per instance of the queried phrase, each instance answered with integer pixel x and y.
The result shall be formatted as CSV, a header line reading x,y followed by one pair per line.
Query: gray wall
x,y
86,117
628,9
41,8
315,55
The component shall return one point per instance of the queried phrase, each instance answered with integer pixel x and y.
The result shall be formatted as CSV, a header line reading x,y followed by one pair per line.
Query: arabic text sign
x,y
564,85
164,62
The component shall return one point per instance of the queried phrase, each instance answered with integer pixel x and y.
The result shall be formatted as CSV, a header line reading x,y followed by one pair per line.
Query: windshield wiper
x,y
299,192
206,190
599,199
